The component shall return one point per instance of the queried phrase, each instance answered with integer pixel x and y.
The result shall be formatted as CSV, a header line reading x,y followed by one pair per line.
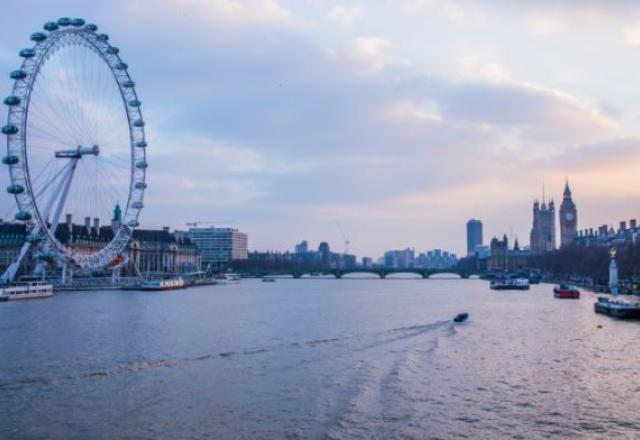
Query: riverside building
x,y
148,251
474,235
219,246
543,231
503,259
399,259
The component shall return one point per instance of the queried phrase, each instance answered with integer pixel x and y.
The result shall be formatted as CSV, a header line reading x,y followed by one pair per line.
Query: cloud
x,y
543,24
541,113
367,55
345,15
473,69
226,13
455,11
632,35
252,115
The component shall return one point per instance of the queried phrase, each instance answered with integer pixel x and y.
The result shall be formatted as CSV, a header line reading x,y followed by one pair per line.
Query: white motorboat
x,y
26,290
227,278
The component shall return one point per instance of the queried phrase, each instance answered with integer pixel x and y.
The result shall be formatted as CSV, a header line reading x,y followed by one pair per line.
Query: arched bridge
x,y
381,272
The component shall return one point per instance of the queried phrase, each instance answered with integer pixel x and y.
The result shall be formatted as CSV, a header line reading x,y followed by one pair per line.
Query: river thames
x,y
317,358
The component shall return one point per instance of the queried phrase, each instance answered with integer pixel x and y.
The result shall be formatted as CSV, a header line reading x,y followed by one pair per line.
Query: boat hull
x,y
160,289
566,294
618,310
12,293
509,287
461,317
160,285
510,284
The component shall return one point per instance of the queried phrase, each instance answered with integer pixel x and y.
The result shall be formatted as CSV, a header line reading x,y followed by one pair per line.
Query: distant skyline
x,y
400,120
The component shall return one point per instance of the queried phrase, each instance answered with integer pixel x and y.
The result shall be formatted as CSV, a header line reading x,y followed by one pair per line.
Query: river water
x,y
317,358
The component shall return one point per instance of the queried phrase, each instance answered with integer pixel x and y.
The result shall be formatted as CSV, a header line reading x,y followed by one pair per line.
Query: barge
x,y
159,284
510,284
617,309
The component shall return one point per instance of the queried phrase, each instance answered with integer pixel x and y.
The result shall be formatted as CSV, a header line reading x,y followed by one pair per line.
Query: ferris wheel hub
x,y
78,152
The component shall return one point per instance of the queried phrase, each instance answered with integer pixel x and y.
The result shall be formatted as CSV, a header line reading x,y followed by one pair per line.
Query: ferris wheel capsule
x,y
14,188
50,26
12,100
10,159
38,36
23,216
9,129
27,53
18,74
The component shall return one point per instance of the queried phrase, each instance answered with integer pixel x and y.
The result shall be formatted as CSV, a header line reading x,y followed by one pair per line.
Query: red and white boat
x,y
564,291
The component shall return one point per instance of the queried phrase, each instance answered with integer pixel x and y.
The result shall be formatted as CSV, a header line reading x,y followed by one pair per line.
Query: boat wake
x,y
379,402
353,343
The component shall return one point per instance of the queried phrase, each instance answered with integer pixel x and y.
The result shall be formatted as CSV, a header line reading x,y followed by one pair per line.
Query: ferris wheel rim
x,y
56,35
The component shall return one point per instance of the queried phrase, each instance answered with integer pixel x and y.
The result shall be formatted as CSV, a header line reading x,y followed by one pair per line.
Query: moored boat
x,y
268,279
26,290
163,284
564,291
227,278
617,309
510,284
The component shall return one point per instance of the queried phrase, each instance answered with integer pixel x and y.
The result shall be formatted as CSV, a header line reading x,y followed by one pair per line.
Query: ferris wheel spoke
x,y
120,163
108,188
54,105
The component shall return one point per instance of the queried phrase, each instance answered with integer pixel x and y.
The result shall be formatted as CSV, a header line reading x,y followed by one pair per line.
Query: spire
x,y
117,213
567,190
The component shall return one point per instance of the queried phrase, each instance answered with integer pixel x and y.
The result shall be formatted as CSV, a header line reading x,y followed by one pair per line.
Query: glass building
x,y
219,245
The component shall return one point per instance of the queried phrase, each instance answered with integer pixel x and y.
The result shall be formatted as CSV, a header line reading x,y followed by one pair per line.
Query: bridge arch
x,y
360,275
446,276
406,275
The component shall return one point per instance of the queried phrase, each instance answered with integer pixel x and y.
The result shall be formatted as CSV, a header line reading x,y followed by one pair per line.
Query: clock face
x,y
568,216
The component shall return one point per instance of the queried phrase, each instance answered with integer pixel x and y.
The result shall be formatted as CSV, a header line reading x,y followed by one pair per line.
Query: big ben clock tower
x,y
568,218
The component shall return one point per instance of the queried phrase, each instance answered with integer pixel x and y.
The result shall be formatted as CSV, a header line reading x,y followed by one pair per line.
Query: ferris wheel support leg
x,y
61,192
12,270
59,187
10,273
63,198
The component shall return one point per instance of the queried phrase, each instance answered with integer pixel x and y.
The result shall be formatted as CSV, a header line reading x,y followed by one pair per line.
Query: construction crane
x,y
197,223
347,242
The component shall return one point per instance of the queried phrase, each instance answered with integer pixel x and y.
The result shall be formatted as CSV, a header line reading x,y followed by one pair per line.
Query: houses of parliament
x,y
543,232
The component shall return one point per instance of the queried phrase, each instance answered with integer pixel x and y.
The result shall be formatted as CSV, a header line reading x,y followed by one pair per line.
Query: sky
x,y
388,122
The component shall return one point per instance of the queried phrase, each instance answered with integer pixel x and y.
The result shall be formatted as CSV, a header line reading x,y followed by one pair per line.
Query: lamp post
x,y
613,273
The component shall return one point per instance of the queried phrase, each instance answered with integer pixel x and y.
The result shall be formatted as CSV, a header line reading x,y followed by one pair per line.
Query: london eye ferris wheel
x,y
75,142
